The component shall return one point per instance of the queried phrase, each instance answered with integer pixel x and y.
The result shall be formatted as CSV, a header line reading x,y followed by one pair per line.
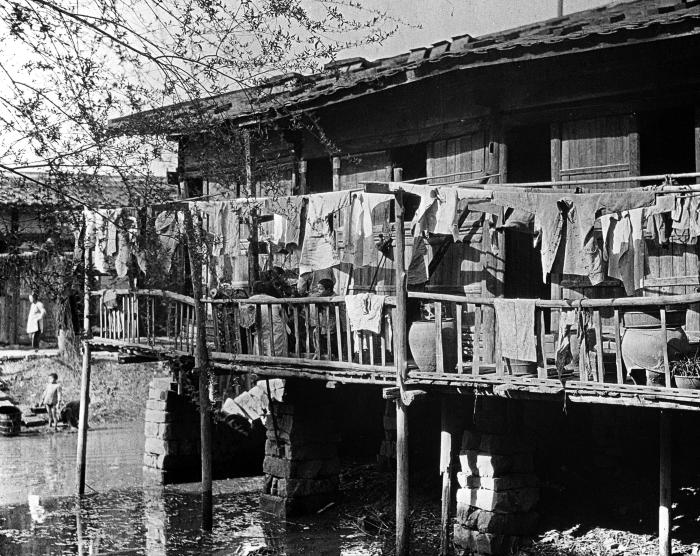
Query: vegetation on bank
x,y
118,392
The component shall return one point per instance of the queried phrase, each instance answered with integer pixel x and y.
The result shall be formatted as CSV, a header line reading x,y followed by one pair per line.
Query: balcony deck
x,y
161,324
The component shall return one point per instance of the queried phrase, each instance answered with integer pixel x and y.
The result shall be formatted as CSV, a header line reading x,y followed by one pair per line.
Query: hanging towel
x,y
318,248
623,247
516,328
364,311
287,220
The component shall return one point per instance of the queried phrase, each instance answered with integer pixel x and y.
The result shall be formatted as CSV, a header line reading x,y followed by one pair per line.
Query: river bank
x,y
118,392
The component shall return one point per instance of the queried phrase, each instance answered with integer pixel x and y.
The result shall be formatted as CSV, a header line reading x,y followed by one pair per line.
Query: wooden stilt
x,y
402,483
84,378
201,361
665,501
402,499
448,442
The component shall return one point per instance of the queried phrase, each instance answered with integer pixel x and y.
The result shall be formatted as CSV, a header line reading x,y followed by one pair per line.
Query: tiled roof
x,y
74,191
612,24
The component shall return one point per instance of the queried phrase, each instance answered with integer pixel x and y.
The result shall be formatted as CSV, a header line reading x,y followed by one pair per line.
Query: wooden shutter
x,y
597,148
464,156
370,166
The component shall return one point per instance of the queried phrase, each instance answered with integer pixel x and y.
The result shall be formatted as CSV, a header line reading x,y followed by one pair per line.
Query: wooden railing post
x,y
402,498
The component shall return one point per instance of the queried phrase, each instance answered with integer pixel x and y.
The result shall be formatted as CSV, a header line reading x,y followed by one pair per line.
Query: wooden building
x,y
582,103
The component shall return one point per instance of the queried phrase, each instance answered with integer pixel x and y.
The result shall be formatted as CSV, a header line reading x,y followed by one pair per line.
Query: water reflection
x,y
126,515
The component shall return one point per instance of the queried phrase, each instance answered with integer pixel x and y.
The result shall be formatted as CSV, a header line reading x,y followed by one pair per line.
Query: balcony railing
x,y
314,332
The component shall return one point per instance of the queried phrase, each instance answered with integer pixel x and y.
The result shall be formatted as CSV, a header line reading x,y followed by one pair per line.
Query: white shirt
x,y
35,320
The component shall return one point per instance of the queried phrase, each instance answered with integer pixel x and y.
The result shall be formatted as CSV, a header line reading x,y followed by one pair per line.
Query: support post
x,y
201,362
448,445
402,499
85,375
665,500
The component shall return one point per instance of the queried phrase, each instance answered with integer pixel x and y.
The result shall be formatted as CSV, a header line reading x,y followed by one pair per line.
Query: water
x,y
123,514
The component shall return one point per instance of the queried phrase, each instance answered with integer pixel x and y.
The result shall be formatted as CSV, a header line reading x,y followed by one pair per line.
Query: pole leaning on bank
x,y
85,376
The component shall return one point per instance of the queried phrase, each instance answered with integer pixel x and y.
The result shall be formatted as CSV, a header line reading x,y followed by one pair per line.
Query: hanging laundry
x,y
658,218
287,222
440,208
318,249
358,236
420,259
565,335
686,218
516,328
571,217
112,233
169,225
364,311
623,247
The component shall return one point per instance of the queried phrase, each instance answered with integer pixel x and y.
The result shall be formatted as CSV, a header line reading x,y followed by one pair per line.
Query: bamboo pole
x,y
402,486
665,500
85,377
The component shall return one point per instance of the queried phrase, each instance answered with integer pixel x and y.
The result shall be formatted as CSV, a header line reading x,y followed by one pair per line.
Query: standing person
x,y
275,328
51,399
35,320
323,321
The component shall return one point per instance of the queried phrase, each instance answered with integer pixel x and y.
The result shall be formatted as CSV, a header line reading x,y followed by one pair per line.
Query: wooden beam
x,y
665,498
84,377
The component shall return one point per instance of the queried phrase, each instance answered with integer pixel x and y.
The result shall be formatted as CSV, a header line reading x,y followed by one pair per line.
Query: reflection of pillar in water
x,y
168,515
155,518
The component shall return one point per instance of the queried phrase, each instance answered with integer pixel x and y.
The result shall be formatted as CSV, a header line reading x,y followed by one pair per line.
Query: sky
x,y
443,19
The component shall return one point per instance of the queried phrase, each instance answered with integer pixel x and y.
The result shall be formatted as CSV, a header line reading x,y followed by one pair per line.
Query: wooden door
x,y
448,161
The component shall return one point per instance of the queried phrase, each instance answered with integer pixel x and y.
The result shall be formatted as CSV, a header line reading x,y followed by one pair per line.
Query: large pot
x,y
10,420
643,342
421,340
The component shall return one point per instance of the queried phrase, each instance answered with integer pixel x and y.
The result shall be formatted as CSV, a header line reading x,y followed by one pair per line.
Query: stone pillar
x,y
171,450
498,488
301,463
387,451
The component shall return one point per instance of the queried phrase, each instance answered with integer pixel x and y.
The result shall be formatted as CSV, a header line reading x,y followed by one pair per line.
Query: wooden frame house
x,y
601,101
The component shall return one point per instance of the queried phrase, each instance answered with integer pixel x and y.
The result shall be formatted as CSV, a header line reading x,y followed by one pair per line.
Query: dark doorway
x,y
319,175
411,159
528,160
667,141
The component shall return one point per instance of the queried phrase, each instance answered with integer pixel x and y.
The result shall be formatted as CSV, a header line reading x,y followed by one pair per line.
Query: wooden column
x,y
303,187
665,428
692,318
492,265
449,444
402,499
85,375
336,173
201,363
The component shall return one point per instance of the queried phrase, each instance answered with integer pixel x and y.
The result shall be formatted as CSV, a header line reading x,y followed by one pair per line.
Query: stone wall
x,y
171,451
498,488
301,451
